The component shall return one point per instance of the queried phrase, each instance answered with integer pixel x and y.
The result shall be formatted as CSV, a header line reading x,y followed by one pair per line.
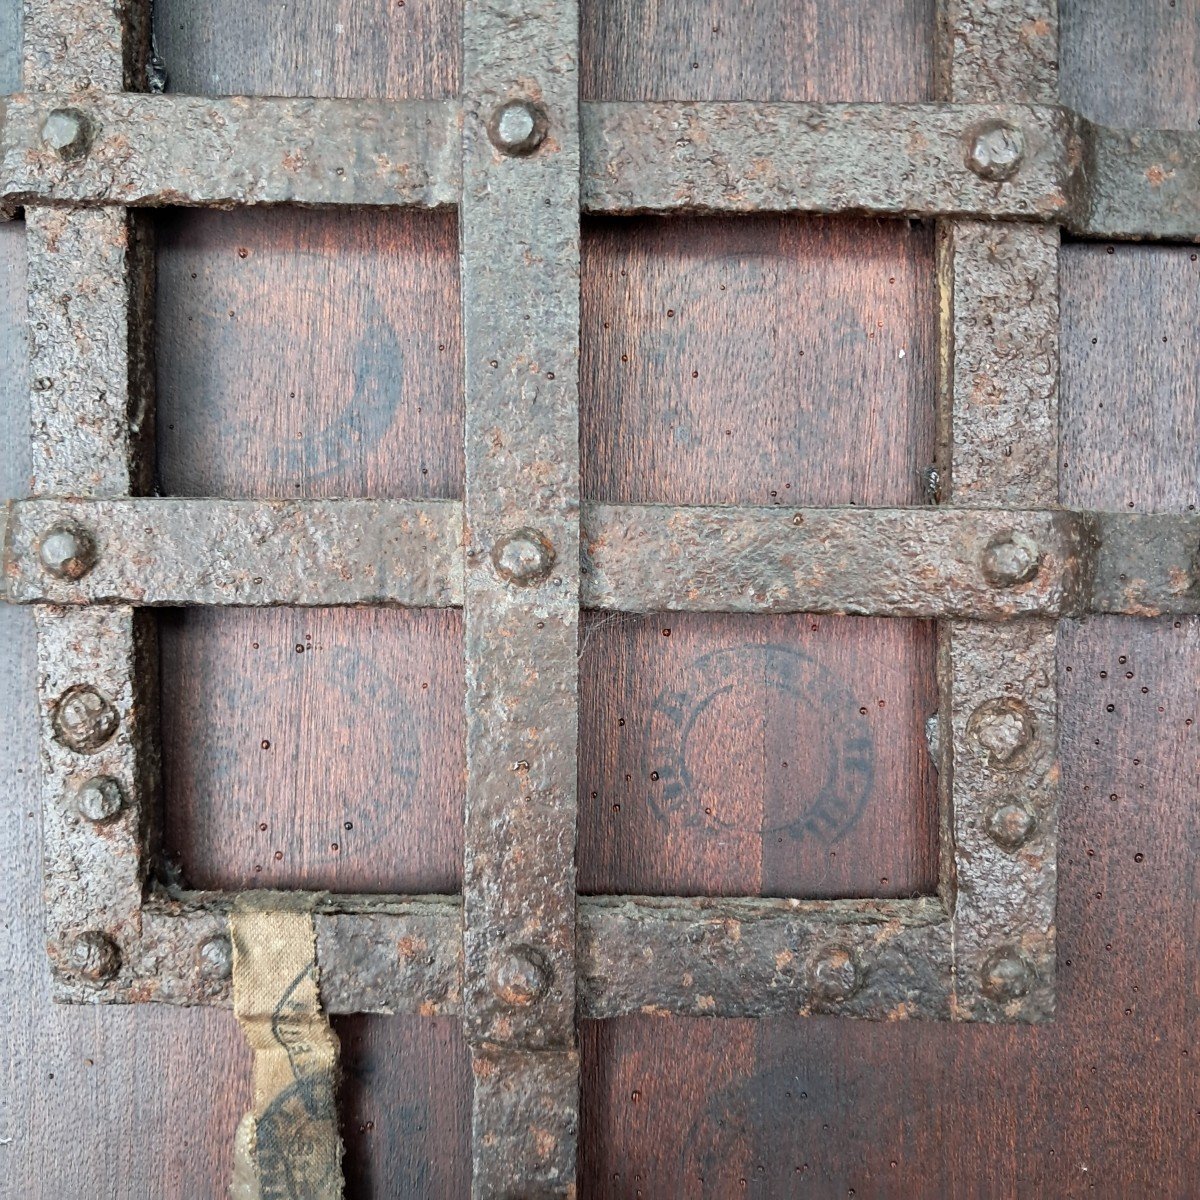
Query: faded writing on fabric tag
x,y
288,1147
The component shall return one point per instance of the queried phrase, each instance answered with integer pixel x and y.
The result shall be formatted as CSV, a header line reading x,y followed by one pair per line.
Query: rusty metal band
x,y
89,276
999,447
739,957
1039,163
520,243
902,562
147,151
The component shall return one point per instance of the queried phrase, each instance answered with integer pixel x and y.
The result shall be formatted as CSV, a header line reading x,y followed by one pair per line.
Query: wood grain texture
x,y
309,354
313,748
822,50
402,49
750,755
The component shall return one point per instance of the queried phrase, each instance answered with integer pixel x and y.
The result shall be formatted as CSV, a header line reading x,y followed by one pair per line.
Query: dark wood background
x,y
754,360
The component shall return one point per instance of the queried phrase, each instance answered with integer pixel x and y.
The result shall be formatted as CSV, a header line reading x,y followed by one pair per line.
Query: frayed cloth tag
x,y
288,1147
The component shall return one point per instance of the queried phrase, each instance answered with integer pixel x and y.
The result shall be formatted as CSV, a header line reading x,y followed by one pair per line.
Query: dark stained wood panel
x,y
757,361
405,1107
735,755
309,354
314,748
1131,380
1102,1102
350,48
825,50
1132,64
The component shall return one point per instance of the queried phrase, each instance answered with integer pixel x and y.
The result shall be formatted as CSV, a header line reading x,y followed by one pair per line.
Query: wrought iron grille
x,y
1000,165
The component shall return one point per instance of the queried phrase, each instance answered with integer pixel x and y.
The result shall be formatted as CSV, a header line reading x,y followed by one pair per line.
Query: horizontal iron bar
x,y
742,957
881,159
151,551
149,151
914,562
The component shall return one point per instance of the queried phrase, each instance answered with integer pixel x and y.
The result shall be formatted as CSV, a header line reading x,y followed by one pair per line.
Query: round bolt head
x,y
517,127
94,956
523,557
1011,825
1005,728
1010,559
1006,976
67,552
833,975
100,799
216,958
67,131
520,976
995,150
84,719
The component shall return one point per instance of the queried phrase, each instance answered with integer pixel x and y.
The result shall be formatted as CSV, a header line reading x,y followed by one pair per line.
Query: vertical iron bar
x,y
88,298
519,230
999,447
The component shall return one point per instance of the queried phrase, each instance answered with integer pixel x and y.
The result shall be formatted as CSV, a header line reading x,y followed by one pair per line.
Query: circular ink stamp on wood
x,y
767,710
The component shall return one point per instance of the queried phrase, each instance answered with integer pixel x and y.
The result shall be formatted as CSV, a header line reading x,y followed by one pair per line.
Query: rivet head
x,y
67,552
84,719
1005,728
995,150
94,956
1011,825
523,557
100,799
68,132
833,974
520,976
216,958
517,127
1006,976
1010,559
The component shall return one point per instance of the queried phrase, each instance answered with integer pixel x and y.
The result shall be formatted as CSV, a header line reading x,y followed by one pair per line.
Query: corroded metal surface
x,y
89,287
520,244
998,696
525,1122
244,552
998,417
1140,183
876,959
1017,162
899,562
887,960
986,564
885,159
999,287
187,150
989,51
97,703
1148,564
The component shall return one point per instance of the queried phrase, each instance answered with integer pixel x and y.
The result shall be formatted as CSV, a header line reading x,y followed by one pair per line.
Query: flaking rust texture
x,y
986,564
999,287
152,551
896,562
886,159
998,419
520,246
97,701
888,960
993,51
142,150
998,688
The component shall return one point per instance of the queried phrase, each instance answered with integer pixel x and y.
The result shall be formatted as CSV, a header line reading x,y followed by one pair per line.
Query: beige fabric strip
x,y
288,1147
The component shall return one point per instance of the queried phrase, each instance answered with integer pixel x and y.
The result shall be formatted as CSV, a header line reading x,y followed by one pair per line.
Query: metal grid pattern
x,y
518,955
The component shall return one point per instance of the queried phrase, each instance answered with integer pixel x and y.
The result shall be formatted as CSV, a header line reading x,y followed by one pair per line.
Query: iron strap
x,y
991,160
519,231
